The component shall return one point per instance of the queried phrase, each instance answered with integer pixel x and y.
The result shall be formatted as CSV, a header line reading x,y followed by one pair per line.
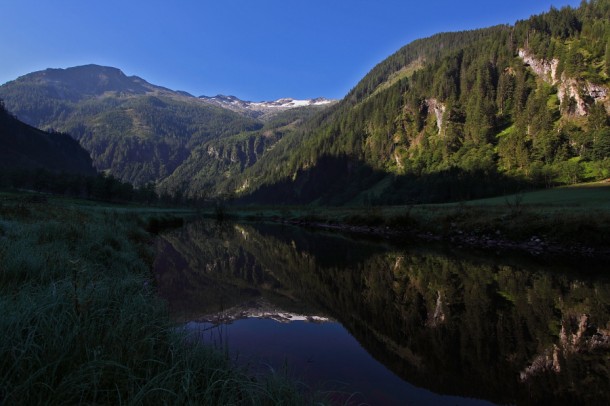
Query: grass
x,y
586,196
81,322
569,216
405,72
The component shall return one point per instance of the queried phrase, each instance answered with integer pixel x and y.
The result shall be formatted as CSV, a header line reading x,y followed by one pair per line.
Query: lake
x,y
382,323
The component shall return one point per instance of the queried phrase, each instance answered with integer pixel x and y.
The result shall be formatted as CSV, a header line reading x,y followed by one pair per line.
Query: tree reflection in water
x,y
455,324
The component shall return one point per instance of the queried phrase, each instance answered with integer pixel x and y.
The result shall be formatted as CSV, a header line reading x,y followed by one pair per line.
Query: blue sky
x,y
253,49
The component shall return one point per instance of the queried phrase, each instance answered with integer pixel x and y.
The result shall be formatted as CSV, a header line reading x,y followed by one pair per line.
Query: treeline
x,y
147,138
425,50
26,147
100,187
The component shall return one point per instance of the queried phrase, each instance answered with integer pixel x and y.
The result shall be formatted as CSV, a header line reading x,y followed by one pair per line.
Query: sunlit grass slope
x,y
585,195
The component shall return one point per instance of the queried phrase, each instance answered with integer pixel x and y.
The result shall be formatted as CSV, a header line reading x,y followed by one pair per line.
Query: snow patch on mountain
x,y
264,108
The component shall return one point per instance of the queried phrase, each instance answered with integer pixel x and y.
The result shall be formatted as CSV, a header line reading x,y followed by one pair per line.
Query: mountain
x,y
23,147
457,116
264,109
134,130
45,97
140,132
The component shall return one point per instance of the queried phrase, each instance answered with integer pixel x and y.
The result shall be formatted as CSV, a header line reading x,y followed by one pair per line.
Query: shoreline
x,y
534,245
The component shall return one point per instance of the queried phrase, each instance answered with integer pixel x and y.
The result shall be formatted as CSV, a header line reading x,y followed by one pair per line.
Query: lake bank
x,y
535,243
562,221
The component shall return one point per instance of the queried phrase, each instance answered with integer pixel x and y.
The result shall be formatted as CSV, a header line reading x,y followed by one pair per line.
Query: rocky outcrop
x,y
213,152
438,108
543,68
578,93
569,91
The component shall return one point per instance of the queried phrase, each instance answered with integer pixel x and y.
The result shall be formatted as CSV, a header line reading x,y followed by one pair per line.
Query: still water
x,y
384,324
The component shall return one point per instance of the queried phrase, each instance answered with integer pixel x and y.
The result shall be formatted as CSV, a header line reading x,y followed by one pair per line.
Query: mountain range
x,y
449,117
134,130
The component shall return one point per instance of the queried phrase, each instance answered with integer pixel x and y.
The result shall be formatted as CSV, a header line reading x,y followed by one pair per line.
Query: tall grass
x,y
80,321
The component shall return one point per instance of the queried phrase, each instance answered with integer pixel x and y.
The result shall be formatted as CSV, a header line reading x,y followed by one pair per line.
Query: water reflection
x,y
454,325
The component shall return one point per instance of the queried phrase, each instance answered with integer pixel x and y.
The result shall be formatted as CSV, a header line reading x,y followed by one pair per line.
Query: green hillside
x,y
458,116
134,130
214,166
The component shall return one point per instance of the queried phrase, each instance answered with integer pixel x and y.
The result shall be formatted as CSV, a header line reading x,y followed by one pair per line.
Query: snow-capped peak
x,y
261,108
288,103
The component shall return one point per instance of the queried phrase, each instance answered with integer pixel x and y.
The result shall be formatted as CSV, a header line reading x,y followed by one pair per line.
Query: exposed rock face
x,y
438,109
579,93
549,361
213,152
598,92
571,88
543,68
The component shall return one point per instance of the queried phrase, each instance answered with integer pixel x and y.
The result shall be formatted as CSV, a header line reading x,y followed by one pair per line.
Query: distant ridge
x,y
80,82
264,108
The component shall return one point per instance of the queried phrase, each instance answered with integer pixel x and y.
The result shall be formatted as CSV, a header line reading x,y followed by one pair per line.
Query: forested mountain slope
x,y
456,116
214,167
134,130
143,133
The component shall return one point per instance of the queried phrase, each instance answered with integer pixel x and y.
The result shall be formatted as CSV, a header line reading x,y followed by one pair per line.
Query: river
x,y
382,323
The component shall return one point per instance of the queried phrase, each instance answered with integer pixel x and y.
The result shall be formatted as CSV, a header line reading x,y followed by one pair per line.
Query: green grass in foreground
x,y
81,323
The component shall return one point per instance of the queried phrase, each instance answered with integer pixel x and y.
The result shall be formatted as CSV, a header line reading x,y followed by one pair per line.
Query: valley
x,y
440,234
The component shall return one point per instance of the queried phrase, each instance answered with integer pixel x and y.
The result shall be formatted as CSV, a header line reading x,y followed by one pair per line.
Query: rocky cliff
x,y
579,93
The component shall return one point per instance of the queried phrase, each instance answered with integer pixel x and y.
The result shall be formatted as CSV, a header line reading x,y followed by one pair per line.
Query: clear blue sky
x,y
253,49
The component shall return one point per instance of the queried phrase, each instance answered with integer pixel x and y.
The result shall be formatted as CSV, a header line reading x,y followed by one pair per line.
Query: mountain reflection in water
x,y
440,327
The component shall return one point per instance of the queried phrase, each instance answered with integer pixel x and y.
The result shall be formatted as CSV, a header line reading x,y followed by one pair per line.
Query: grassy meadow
x,y
568,217
81,322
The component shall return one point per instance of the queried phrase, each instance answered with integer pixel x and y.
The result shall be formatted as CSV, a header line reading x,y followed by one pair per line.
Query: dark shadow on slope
x,y
23,147
336,180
